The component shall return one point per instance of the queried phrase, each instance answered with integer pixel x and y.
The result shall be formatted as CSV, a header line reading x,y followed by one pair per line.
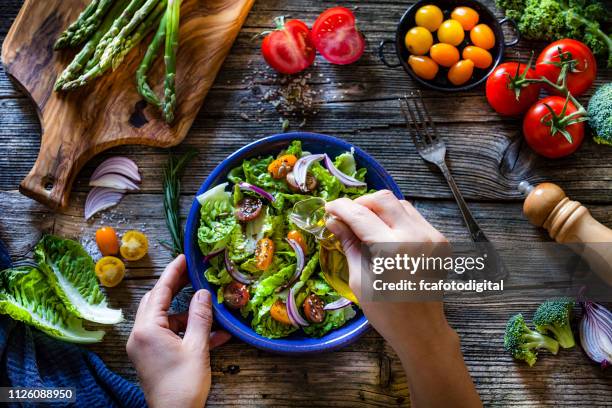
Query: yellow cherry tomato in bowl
x,y
461,72
418,40
280,167
423,67
297,236
107,241
264,253
429,16
134,245
110,271
479,56
451,32
482,36
466,16
444,54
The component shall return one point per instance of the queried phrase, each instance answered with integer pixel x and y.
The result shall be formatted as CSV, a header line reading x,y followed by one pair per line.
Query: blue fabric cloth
x,y
29,358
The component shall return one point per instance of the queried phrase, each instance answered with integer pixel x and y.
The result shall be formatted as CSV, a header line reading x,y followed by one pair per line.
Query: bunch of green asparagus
x,y
108,30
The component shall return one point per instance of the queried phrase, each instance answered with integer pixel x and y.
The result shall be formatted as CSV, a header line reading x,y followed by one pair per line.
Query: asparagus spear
x,y
96,66
173,13
79,61
141,31
64,39
91,24
117,44
141,74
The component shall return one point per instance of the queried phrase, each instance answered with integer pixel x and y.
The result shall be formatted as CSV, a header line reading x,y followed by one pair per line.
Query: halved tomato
x,y
336,37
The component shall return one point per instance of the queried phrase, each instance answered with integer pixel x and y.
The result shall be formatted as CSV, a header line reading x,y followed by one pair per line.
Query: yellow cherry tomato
x,y
444,54
429,16
423,67
134,245
482,36
278,311
451,32
480,57
280,167
107,241
418,40
466,16
110,271
461,72
264,252
297,236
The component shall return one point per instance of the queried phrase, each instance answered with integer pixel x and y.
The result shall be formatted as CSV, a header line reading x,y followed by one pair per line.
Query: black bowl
x,y
441,82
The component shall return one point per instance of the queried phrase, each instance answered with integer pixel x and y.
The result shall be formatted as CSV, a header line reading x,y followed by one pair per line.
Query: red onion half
x,y
292,310
260,191
300,169
101,198
344,178
117,165
234,272
338,304
596,333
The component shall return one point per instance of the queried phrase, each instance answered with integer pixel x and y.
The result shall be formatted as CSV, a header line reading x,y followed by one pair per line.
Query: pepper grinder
x,y
569,222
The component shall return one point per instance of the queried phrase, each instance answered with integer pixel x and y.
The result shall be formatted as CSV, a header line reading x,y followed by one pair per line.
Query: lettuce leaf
x,y
256,172
329,186
25,295
71,273
217,219
333,320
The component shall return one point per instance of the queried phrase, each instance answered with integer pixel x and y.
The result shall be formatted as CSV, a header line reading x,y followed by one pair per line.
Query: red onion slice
x,y
293,312
250,187
344,178
338,304
213,254
101,198
596,333
234,272
116,181
117,165
301,261
300,169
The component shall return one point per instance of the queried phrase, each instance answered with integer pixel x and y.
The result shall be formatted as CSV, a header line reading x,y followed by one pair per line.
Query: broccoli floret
x,y
523,343
553,316
549,20
600,114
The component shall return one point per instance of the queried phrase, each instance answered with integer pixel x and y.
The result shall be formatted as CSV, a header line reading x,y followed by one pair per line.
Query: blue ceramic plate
x,y
298,343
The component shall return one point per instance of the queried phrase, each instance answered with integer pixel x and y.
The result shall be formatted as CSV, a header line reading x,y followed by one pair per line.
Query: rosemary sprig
x,y
172,194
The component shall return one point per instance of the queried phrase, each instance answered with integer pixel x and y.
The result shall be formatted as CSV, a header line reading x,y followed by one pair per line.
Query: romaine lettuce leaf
x,y
25,295
256,172
217,219
345,162
329,186
333,320
70,271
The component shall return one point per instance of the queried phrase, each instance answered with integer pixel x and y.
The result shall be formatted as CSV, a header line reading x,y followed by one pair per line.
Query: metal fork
x,y
432,149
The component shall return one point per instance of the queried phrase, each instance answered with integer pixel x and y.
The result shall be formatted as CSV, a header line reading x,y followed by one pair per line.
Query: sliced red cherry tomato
x,y
248,208
236,294
580,60
336,37
288,49
313,308
507,91
551,135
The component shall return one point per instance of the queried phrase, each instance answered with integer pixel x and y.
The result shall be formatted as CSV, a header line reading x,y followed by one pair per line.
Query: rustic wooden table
x,y
486,154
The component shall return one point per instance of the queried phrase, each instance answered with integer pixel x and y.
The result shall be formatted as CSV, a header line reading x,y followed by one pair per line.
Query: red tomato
x,y
504,83
289,49
583,71
336,37
537,128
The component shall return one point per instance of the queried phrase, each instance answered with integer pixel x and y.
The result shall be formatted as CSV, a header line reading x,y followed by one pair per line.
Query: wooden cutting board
x,y
109,112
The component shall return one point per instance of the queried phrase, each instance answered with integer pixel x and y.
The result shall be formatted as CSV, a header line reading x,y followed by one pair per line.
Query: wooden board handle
x,y
51,178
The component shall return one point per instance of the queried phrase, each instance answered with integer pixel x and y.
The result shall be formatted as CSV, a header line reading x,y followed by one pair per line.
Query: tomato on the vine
x,y
508,90
553,135
582,70
288,49
336,37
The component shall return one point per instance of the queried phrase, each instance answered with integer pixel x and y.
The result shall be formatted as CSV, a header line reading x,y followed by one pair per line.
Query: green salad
x,y
263,264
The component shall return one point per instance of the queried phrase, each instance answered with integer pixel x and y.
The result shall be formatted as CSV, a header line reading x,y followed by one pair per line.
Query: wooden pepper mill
x,y
570,222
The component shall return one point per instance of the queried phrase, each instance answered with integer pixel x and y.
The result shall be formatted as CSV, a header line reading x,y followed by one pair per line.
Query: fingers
x,y
366,225
349,241
159,298
218,338
199,321
384,204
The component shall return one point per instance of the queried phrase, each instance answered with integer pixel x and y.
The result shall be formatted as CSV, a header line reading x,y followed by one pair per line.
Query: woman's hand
x,y
418,331
174,371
